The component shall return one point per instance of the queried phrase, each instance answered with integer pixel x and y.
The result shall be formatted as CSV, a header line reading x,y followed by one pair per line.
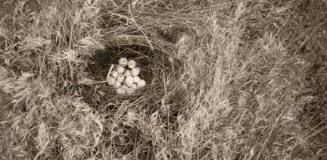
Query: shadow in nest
x,y
155,66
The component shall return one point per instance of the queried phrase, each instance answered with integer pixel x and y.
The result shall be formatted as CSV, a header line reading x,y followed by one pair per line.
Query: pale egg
x,y
129,81
134,86
123,61
120,78
137,79
131,64
127,73
130,91
111,80
117,84
124,87
136,71
141,83
120,69
114,74
120,90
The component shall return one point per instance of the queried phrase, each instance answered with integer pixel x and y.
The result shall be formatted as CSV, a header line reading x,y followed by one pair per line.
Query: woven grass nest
x,y
157,66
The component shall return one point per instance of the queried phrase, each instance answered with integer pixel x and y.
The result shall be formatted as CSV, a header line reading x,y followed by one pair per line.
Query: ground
x,y
226,79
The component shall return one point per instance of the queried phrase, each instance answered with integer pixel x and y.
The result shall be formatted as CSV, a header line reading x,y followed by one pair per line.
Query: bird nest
x,y
156,66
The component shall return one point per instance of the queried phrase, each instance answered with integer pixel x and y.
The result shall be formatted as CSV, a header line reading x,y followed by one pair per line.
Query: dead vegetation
x,y
228,80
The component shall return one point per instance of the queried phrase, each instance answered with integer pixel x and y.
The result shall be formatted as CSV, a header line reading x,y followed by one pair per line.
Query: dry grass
x,y
230,80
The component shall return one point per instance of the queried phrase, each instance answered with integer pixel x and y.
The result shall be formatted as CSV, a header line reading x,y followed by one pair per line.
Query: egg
x,y
120,90
124,87
141,83
117,84
134,86
136,71
130,91
120,78
120,69
127,73
114,74
129,81
111,80
137,79
131,64
123,61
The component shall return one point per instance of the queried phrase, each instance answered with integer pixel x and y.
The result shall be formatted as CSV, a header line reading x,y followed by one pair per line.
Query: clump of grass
x,y
227,80
250,108
39,55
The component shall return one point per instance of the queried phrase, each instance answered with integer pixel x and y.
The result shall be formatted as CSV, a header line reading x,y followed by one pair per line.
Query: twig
x,y
111,67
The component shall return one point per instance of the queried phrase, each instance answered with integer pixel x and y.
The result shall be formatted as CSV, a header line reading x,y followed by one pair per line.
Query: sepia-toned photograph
x,y
163,79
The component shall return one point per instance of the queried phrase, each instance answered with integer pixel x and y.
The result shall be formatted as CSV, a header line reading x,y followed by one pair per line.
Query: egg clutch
x,y
125,77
